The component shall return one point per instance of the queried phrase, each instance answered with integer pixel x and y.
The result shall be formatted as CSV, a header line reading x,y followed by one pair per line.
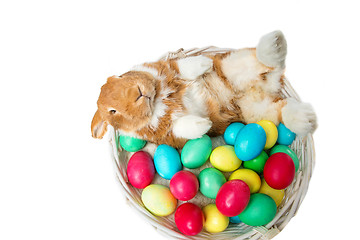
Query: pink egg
x,y
184,185
233,197
279,170
140,170
189,219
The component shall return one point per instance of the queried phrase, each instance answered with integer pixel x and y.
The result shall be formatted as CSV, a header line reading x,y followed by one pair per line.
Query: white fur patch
x,y
272,83
192,67
242,68
191,127
272,49
299,117
194,99
159,111
254,111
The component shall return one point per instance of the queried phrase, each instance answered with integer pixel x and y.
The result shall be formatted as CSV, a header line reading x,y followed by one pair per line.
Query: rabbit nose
x,y
140,91
139,95
142,95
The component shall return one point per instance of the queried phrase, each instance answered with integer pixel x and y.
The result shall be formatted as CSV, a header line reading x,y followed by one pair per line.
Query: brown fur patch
x,y
217,59
174,66
263,76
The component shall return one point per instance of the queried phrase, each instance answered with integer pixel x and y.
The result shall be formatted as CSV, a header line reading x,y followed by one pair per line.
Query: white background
x,y
56,182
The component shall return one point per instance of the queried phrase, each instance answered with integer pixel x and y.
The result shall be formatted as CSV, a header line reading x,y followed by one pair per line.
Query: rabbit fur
x,y
171,101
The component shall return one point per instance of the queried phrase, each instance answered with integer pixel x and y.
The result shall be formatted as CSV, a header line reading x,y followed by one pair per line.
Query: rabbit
x,y
174,100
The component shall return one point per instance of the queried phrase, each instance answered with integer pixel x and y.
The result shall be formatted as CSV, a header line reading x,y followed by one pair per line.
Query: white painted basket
x,y
294,194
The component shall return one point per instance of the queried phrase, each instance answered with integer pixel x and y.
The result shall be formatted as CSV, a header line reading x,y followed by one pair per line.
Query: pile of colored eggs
x,y
259,172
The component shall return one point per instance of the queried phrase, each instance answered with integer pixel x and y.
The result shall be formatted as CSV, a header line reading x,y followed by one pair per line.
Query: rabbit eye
x,y
112,111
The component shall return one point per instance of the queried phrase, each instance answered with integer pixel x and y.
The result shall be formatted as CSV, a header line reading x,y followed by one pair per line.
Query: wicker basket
x,y
294,194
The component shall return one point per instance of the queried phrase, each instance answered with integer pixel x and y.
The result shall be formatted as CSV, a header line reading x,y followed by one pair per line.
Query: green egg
x,y
196,152
131,144
257,164
210,180
288,151
260,210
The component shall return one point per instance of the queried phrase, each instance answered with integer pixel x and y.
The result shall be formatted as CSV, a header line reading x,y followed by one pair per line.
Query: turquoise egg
x,y
250,142
167,161
211,180
285,137
235,219
131,144
196,152
231,132
260,210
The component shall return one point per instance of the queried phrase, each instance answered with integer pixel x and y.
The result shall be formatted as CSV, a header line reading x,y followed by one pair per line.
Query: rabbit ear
x,y
98,126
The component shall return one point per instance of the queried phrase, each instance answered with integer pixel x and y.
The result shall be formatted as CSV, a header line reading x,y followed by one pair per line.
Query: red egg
x,y
189,219
184,185
140,170
279,170
233,197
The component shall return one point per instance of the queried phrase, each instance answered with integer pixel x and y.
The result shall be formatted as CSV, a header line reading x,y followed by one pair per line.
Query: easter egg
x,y
260,210
249,176
235,219
271,133
184,185
189,219
250,142
159,200
215,221
140,169
257,164
286,137
131,144
167,161
276,195
225,159
231,132
279,170
233,197
288,151
196,152
211,180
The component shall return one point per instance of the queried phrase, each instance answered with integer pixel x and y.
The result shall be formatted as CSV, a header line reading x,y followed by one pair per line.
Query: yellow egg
x,y
271,133
250,177
275,194
225,159
215,221
158,200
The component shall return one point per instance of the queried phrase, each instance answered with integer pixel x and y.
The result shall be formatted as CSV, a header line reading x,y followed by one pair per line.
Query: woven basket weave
x,y
294,194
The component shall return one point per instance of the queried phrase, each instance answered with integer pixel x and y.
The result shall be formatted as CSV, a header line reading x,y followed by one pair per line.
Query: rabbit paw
x,y
191,127
272,49
299,117
192,67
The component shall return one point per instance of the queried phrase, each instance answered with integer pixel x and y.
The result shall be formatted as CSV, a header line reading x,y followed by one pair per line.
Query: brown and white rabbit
x,y
169,102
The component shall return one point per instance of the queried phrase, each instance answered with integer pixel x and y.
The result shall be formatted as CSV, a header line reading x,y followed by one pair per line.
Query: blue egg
x,y
167,161
231,132
250,142
235,219
286,137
